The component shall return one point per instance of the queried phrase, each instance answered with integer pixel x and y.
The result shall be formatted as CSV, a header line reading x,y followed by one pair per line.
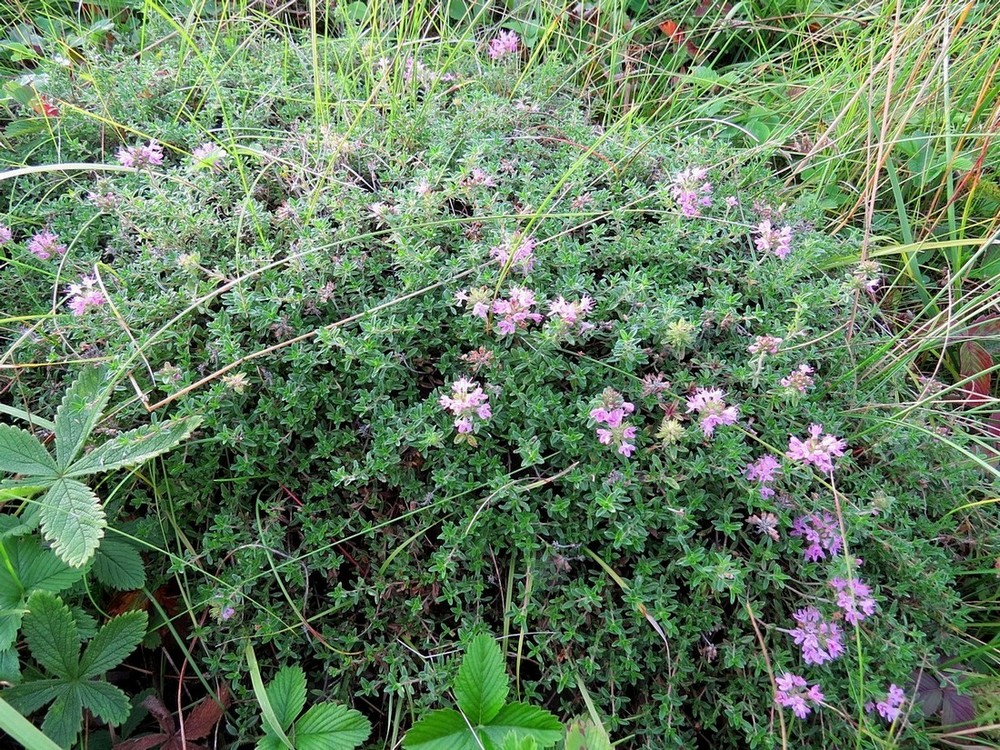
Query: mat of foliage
x,y
345,521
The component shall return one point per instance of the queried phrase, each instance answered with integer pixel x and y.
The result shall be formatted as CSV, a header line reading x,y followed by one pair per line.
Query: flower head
x,y
822,533
764,470
45,244
5,235
795,693
691,191
854,599
518,251
610,417
769,239
570,315
139,157
799,379
763,345
818,449
891,708
515,312
208,156
506,43
712,409
478,178
85,295
477,299
821,641
468,403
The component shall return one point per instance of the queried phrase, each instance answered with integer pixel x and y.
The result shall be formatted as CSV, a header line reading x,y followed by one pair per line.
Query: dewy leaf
x,y
73,520
117,564
50,632
21,453
330,726
116,640
524,721
482,684
134,447
78,413
444,729
287,693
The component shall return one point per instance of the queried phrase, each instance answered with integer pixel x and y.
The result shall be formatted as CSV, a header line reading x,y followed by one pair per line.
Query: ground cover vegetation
x,y
472,376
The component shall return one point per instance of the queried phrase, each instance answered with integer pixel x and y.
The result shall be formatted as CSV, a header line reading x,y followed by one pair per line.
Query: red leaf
x,y
975,362
203,717
43,106
673,30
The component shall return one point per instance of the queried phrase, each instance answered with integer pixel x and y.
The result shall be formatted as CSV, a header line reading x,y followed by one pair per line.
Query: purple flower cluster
x,y
85,296
611,414
5,235
506,43
515,312
518,251
764,345
799,379
468,403
818,449
821,641
795,693
570,315
822,533
209,156
769,239
854,599
691,191
764,470
139,157
45,244
892,707
711,408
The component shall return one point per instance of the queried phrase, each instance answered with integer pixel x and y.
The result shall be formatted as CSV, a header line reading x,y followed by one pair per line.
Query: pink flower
x,y
479,178
799,379
468,402
795,693
506,43
765,345
516,311
5,235
518,251
209,156
770,239
854,599
712,409
611,413
139,157
691,191
732,201
45,244
764,470
570,314
892,707
822,533
821,641
477,299
818,449
85,295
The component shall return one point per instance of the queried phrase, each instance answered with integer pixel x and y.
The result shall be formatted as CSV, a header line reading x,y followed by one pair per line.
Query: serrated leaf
x,y
21,453
513,742
105,701
10,666
73,520
31,696
482,683
118,564
10,623
270,742
50,632
78,413
444,729
64,717
524,721
202,719
287,693
134,447
116,640
330,726
31,569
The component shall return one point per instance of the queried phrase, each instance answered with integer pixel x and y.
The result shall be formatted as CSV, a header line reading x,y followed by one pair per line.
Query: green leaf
x,y
513,742
330,726
73,520
105,701
10,666
270,742
64,717
525,721
482,683
10,623
21,453
31,568
116,640
134,447
444,729
21,730
31,696
21,489
117,564
583,734
287,693
51,634
78,413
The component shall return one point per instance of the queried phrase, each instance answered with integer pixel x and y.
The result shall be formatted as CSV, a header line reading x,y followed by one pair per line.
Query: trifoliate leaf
x,y
482,683
134,447
73,520
21,453
330,726
287,693
78,413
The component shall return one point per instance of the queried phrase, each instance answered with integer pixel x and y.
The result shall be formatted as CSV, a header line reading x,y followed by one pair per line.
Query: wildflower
x,y
570,314
793,692
478,298
611,413
892,707
818,449
423,188
799,379
732,201
85,296
763,470
515,311
765,345
506,43
670,432
208,156
5,235
654,384
478,178
517,251
103,201
45,244
691,191
820,640
582,201
766,523
709,404
822,533
866,276
769,239
237,382
468,403
139,157
478,359
854,599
